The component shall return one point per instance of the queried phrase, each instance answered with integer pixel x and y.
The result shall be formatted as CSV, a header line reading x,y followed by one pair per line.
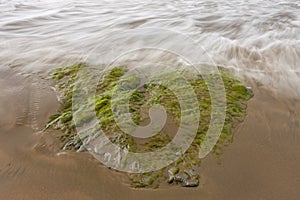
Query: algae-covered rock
x,y
146,95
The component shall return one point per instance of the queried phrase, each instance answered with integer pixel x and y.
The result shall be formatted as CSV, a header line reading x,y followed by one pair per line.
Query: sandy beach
x,y
261,163
259,41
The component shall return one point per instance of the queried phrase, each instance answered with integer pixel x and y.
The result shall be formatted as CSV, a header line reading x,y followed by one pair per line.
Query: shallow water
x,y
260,39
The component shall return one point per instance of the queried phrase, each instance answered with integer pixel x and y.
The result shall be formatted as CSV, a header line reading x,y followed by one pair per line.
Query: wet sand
x,y
261,163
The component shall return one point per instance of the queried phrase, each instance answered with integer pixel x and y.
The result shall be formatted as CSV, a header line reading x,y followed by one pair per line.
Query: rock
x,y
171,179
178,179
190,172
187,179
190,183
81,148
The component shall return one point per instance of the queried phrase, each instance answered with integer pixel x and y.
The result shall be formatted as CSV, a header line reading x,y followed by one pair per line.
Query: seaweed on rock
x,y
181,171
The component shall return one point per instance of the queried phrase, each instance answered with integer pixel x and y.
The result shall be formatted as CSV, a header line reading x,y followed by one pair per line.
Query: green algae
x,y
142,99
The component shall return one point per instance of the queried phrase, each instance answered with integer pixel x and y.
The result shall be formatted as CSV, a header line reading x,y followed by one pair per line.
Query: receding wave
x,y
259,39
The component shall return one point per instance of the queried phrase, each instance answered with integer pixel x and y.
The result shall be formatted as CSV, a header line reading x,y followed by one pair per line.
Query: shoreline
x,y
252,166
